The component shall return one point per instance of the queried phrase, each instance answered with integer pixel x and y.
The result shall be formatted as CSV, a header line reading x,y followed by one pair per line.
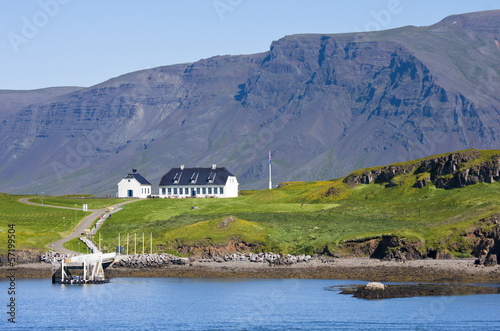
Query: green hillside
x,y
316,217
333,216
35,226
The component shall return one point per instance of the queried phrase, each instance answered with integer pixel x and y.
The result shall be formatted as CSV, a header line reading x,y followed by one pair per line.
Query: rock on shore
x,y
382,291
163,260
150,260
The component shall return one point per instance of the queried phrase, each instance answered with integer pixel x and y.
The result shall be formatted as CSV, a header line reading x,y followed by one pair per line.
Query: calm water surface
x,y
207,304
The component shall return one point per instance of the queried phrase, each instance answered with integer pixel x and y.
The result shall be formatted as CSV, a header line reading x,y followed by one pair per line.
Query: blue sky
x,y
81,43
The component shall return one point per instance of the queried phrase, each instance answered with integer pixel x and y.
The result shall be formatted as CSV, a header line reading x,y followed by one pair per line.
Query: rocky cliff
x,y
454,170
323,104
481,241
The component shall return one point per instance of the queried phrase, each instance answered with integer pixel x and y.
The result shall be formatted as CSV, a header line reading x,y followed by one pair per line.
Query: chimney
x,y
134,171
182,166
214,166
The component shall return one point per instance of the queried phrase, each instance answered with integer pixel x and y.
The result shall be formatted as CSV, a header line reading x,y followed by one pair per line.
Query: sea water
x,y
242,304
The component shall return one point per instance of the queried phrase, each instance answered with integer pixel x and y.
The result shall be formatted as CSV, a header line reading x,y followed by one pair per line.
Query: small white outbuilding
x,y
134,186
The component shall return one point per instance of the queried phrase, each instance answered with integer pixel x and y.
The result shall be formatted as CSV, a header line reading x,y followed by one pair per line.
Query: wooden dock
x,y
82,269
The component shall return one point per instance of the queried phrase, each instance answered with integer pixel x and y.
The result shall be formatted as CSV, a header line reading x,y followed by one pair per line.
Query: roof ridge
x,y
203,176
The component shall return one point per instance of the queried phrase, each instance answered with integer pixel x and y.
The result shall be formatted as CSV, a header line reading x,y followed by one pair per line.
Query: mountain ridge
x,y
323,104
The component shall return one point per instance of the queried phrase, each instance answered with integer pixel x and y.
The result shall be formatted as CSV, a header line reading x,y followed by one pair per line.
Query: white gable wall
x,y
138,190
231,189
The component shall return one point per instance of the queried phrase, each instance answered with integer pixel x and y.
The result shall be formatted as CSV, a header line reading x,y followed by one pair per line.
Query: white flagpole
x,y
270,180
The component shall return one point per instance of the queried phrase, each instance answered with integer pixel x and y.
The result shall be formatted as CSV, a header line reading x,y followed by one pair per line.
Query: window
x,y
163,191
180,190
211,177
175,190
204,190
129,180
221,190
169,191
197,190
215,190
209,190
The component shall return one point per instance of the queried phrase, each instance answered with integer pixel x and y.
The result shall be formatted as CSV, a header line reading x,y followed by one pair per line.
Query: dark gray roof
x,y
195,176
140,179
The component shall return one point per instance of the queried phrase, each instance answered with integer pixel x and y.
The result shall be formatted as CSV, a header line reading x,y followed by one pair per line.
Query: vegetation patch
x,y
35,226
329,217
217,234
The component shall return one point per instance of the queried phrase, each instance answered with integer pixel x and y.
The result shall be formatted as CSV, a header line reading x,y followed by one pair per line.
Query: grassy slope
x,y
73,245
35,226
299,217
371,210
428,214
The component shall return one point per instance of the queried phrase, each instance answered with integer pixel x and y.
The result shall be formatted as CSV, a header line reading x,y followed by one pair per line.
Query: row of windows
x,y
145,190
192,191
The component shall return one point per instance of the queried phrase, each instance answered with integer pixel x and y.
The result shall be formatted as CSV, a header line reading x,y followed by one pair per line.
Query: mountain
x,y
12,101
324,105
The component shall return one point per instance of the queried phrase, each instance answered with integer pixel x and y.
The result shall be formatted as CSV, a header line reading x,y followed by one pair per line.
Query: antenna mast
x,y
270,180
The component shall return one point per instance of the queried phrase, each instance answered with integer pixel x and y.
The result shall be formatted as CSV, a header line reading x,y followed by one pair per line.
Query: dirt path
x,y
58,246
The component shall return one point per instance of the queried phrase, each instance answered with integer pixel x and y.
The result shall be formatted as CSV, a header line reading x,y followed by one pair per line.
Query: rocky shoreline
x,y
164,260
428,270
383,291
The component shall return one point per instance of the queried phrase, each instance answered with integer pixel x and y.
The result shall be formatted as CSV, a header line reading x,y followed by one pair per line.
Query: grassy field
x,y
299,217
74,246
159,215
35,226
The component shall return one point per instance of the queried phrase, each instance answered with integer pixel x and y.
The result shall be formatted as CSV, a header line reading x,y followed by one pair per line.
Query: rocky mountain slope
x,y
323,104
12,101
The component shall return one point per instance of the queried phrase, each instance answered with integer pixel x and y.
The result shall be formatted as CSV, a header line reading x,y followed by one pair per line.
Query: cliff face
x,y
454,170
323,104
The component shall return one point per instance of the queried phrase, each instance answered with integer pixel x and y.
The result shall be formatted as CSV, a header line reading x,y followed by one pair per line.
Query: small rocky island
x,y
377,290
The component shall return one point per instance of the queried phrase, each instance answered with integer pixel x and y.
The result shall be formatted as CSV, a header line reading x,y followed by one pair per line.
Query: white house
x,y
134,186
198,183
